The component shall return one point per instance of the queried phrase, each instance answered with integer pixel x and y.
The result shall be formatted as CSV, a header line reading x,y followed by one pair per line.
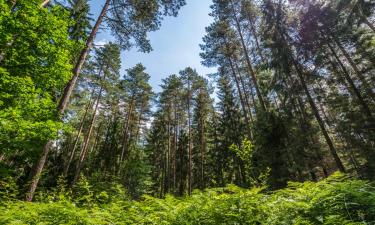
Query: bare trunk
x,y
256,38
175,143
203,150
38,171
190,142
315,111
364,18
169,148
82,57
355,68
357,93
44,3
85,148
368,23
126,130
66,169
245,93
242,101
64,101
248,61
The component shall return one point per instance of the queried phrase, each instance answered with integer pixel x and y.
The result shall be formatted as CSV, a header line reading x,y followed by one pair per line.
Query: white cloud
x,y
101,42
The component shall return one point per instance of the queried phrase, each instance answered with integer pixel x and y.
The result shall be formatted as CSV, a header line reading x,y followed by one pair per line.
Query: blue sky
x,y
176,44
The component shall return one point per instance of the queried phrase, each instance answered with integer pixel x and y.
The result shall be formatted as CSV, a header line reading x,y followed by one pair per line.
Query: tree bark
x,y
66,169
202,148
77,69
315,111
38,171
355,68
242,101
64,101
248,61
84,150
364,18
245,93
44,3
126,130
368,23
256,38
175,141
190,141
361,101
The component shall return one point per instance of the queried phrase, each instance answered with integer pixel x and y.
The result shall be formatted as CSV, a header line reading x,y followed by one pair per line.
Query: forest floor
x,y
335,200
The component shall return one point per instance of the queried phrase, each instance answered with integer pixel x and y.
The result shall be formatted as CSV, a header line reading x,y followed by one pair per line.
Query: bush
x,y
336,200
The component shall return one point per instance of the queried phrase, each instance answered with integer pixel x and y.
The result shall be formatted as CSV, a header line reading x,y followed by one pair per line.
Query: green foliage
x,y
336,200
34,67
8,189
245,152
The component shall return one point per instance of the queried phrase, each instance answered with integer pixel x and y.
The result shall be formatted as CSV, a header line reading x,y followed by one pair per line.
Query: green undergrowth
x,y
336,200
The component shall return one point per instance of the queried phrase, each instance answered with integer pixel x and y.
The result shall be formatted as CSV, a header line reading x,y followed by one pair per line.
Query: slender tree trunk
x,y
248,61
203,150
247,98
355,68
315,111
256,38
169,148
162,181
84,150
304,117
175,142
64,101
126,130
38,171
72,152
190,176
82,57
139,122
44,3
357,93
242,101
364,18
368,23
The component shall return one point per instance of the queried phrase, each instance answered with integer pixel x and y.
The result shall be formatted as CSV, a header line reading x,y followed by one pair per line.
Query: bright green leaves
x,y
34,68
336,201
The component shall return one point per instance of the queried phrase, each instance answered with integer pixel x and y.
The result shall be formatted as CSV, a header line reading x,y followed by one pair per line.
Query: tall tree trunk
x,y
85,148
44,3
169,148
72,152
256,38
202,150
190,175
355,68
357,93
368,23
64,101
139,122
248,61
315,111
242,101
82,57
364,18
247,98
175,142
126,130
304,122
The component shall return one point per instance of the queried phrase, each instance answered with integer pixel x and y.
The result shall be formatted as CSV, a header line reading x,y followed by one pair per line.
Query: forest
x,y
283,132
